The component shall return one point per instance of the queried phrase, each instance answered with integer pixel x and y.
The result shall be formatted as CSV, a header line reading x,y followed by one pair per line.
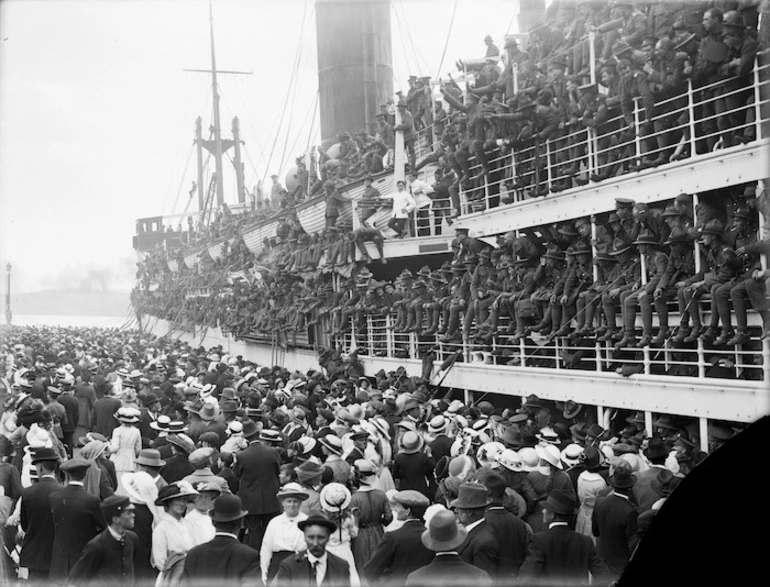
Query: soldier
x,y
420,296
628,24
590,294
573,301
679,267
624,279
410,133
721,265
656,263
548,275
404,283
459,302
752,288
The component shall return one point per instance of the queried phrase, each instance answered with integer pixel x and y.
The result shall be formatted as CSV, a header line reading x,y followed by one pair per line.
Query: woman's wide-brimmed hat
x,y
175,490
550,454
181,441
335,497
128,415
140,486
292,490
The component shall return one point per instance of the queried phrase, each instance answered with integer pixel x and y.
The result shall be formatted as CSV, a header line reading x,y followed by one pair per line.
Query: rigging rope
x,y
446,43
288,91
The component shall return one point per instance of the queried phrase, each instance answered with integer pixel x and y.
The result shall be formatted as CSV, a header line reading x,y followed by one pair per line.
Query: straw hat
x,y
335,497
128,415
571,454
292,490
550,454
529,459
410,443
510,460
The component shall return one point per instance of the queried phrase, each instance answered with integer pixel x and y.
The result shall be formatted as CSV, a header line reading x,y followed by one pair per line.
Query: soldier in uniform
x,y
406,295
625,278
420,296
589,296
721,266
459,301
656,263
407,126
548,275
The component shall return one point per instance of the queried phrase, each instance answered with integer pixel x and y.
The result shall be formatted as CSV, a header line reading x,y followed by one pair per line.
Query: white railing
x,y
690,122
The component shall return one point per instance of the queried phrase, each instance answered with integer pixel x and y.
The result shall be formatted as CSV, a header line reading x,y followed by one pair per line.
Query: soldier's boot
x,y
724,336
741,337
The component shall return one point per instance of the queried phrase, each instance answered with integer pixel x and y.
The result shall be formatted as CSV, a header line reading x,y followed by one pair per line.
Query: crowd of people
x,y
133,459
617,287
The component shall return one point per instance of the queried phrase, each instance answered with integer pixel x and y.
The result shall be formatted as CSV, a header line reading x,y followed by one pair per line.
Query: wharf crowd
x,y
128,459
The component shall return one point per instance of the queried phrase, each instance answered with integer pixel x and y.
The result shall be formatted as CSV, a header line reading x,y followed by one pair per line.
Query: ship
x,y
699,384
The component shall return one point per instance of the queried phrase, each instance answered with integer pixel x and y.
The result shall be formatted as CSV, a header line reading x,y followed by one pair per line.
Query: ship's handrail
x,y
508,180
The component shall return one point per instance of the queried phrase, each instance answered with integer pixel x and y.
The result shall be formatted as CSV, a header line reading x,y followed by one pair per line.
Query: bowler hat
x,y
471,496
317,520
560,502
227,508
622,477
444,532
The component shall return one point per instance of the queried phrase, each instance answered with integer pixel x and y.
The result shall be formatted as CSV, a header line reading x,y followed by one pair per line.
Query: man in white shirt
x,y
403,204
422,194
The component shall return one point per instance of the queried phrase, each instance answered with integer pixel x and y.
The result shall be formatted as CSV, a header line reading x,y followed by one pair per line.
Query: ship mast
x,y
218,146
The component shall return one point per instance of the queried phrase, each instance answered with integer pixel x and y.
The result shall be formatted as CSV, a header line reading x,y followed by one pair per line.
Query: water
x,y
73,321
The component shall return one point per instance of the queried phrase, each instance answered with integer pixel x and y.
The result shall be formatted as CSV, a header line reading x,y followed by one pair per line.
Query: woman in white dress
x,y
171,539
589,484
335,499
125,444
282,536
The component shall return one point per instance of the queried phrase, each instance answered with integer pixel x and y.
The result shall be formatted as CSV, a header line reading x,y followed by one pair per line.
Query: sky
x,y
97,116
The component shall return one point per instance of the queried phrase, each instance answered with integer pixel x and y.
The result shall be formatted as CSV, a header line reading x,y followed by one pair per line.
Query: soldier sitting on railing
x,y
721,265
582,293
549,281
402,296
459,287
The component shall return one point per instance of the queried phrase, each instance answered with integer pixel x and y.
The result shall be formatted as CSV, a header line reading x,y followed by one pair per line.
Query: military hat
x,y
485,253
684,39
621,203
609,64
554,252
510,41
620,245
620,48
670,211
419,284
581,248
424,271
603,255
568,229
649,40
646,237
406,274
713,227
75,465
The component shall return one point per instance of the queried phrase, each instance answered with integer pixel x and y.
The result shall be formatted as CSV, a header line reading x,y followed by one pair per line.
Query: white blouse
x,y
170,536
282,533
199,527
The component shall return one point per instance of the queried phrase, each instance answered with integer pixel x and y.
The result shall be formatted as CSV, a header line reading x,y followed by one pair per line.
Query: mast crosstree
x,y
218,146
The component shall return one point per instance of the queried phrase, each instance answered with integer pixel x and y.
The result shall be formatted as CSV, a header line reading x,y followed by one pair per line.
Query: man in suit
x,y
512,532
223,560
444,536
103,415
614,520
401,551
314,567
480,548
257,469
72,409
36,518
643,491
76,517
560,555
108,559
